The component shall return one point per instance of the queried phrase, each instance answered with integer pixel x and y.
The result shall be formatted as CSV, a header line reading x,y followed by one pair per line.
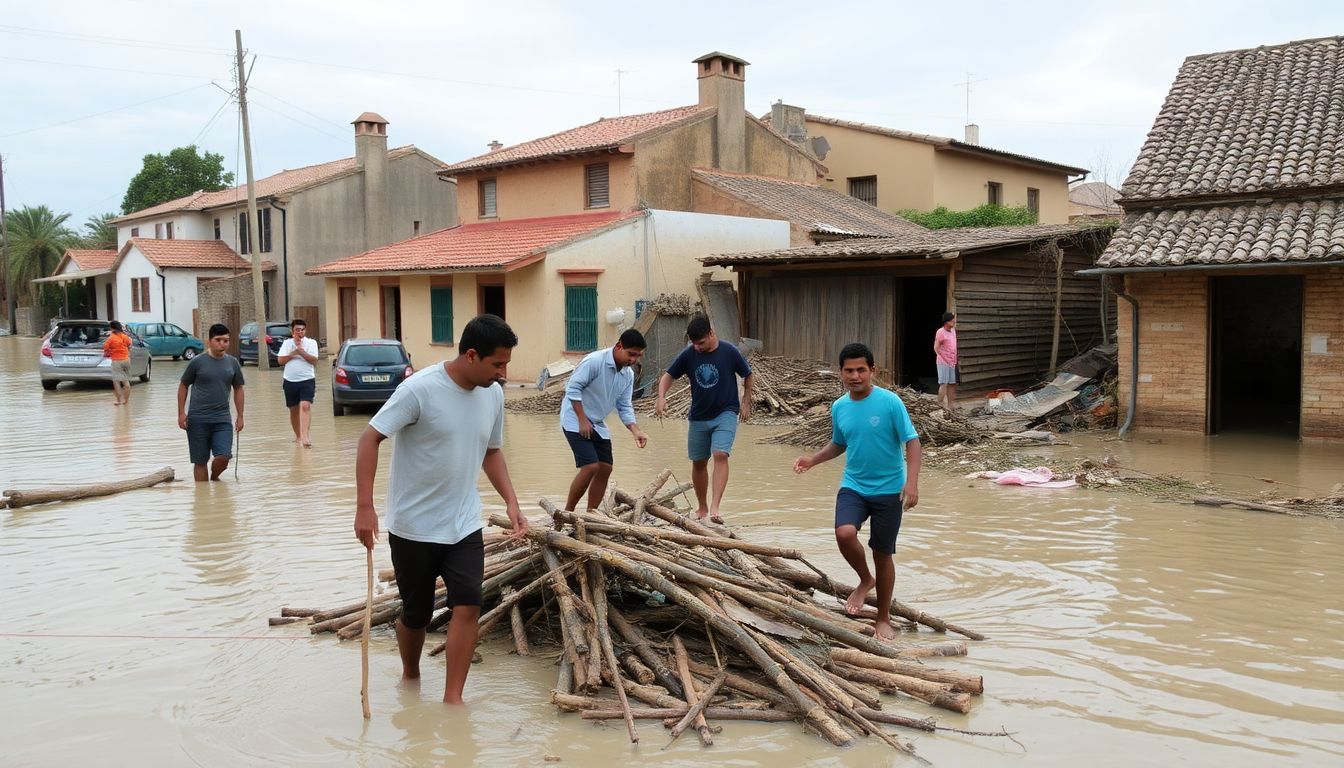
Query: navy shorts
x,y
207,438
299,390
589,450
419,564
853,508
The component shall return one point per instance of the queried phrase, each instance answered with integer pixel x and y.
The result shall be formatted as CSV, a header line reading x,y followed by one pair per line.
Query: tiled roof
x,y
91,259
925,243
1290,231
942,142
276,184
1096,195
1247,121
820,209
190,254
607,133
485,246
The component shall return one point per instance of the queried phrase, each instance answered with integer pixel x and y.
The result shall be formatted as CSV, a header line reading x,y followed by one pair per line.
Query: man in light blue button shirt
x,y
603,381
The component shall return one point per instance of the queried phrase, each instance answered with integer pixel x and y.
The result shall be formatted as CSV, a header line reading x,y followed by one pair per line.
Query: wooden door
x,y
312,317
233,318
349,317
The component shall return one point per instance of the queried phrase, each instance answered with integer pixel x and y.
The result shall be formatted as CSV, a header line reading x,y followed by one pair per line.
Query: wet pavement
x,y
1122,630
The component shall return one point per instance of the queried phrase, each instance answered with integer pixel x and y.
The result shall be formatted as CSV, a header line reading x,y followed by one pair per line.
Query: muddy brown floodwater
x,y
1123,631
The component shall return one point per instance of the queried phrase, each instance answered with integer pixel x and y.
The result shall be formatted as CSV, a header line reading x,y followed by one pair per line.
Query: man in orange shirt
x,y
118,349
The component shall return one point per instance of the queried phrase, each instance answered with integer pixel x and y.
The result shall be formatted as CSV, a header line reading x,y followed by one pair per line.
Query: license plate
x,y
81,358
377,378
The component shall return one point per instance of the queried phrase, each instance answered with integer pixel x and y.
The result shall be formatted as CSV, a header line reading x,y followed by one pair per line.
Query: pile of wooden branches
x,y
786,388
936,426
656,615
547,402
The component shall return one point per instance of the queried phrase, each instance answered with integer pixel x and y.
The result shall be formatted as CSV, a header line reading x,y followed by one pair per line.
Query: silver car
x,y
73,351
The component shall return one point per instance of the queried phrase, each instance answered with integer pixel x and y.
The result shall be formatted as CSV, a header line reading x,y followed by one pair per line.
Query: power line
x,y
227,101
104,112
105,69
291,118
106,40
295,106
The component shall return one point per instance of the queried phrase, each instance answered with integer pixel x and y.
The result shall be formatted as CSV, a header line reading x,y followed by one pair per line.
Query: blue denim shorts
x,y
714,436
206,438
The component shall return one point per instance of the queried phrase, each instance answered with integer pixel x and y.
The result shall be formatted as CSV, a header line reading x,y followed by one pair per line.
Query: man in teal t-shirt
x,y
870,425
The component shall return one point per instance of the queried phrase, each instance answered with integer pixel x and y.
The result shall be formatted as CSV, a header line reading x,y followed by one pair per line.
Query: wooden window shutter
x,y
580,318
489,200
441,314
598,183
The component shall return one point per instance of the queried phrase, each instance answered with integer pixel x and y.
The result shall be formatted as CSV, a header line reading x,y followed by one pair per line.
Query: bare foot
x,y
716,518
701,513
307,443
884,631
856,599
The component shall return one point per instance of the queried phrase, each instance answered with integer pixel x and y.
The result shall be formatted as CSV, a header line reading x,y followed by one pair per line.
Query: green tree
x,y
176,174
988,215
38,239
99,232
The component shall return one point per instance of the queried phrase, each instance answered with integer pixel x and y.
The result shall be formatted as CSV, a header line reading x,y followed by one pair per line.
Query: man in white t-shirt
x,y
448,420
297,354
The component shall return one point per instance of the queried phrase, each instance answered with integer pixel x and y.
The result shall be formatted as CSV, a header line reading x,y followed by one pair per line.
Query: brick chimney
x,y
721,80
495,145
371,155
790,122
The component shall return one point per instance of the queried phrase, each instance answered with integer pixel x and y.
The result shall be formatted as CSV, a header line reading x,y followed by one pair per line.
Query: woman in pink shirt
x,y
945,355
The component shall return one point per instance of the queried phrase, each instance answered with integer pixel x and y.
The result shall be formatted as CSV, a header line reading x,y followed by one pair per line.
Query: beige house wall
x,y
904,169
961,182
663,163
549,189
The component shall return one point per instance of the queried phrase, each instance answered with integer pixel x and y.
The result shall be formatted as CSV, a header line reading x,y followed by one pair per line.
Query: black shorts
x,y
418,564
589,450
299,390
853,508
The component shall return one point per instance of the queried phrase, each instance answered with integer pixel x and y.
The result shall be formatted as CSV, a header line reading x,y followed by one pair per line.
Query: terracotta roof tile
x,y
85,259
489,245
924,243
191,254
607,133
1098,196
1247,121
1289,231
275,184
820,209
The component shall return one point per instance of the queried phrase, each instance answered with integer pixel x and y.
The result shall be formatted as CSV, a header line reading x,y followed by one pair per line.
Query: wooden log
x,y
961,681
565,680
695,713
15,498
635,638
652,694
276,621
500,611
692,696
516,625
657,482
637,668
299,612
1218,501
352,608
717,713
743,684
937,694
598,580
650,533
568,613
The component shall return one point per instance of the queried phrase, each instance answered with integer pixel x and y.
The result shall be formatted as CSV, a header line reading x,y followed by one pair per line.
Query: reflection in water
x,y
1122,630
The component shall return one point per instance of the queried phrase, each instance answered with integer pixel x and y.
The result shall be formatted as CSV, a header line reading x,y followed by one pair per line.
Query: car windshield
x,y
374,354
249,330
68,335
278,330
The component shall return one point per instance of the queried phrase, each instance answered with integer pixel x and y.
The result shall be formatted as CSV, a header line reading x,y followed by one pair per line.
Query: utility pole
x,y
258,290
967,83
10,311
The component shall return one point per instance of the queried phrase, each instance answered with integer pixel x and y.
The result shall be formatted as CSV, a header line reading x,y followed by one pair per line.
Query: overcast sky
x,y
89,88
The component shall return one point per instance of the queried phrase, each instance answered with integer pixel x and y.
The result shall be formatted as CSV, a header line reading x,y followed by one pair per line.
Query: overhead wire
x,y
105,69
108,40
104,112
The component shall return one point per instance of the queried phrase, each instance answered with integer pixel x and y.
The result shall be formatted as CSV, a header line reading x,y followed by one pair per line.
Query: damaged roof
x,y
820,209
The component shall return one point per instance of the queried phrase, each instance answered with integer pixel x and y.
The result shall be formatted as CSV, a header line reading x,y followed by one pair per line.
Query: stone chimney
x,y
371,155
973,134
722,81
790,122
495,145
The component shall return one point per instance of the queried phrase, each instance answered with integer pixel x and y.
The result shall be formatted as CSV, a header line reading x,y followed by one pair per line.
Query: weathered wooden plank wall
x,y
814,316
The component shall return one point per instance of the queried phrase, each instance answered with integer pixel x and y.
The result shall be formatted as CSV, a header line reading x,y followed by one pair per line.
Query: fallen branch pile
x,y
659,616
935,425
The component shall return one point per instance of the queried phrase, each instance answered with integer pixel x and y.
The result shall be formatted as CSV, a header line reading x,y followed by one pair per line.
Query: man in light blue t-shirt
x,y
870,425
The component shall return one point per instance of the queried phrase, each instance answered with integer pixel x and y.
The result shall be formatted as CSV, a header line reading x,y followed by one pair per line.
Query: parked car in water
x,y
276,333
73,351
168,339
367,372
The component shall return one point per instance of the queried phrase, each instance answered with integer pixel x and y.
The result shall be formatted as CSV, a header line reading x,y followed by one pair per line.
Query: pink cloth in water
x,y
1040,477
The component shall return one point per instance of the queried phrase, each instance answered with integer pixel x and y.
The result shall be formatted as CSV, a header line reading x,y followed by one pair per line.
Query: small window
x,y
580,318
244,236
597,180
1034,201
415,229
169,229
864,188
995,193
140,294
486,191
135,231
158,231
441,314
264,231
216,229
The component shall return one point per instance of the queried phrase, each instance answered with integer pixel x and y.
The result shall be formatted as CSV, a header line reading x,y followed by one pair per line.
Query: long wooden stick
x,y
364,641
19,498
598,584
693,699
696,712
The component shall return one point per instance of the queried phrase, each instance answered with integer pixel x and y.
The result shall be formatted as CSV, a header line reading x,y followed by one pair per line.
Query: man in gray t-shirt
x,y
448,421
210,379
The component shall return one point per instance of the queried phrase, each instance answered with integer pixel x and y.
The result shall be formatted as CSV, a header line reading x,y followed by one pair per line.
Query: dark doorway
x,y
391,300
919,312
1255,339
109,309
492,300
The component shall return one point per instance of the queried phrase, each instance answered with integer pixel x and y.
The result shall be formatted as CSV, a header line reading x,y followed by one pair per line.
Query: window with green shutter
x,y
580,318
441,314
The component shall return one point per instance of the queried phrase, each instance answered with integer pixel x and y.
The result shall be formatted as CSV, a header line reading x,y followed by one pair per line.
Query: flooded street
x,y
1122,631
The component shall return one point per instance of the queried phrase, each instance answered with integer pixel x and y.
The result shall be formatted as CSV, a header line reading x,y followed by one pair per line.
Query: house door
x,y
391,299
349,317
1255,360
920,304
233,318
109,309
492,300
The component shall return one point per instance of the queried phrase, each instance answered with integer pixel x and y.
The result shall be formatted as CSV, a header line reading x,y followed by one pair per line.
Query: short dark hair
x,y
698,328
856,349
949,317
485,334
296,322
632,339
218,329
114,325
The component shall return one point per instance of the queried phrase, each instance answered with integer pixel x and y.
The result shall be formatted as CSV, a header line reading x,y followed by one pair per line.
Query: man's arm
x,y
938,345
625,409
181,406
366,468
664,383
830,451
578,381
914,457
238,406
497,472
748,391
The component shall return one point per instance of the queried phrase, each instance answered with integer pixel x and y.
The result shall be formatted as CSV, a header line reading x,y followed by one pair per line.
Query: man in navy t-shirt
x,y
713,367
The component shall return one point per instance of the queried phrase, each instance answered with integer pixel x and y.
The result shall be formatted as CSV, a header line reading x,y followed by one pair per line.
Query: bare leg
x,y
700,480
305,420
942,395
198,472
126,392
847,536
597,490
458,650
116,392
951,397
720,482
294,422
410,643
579,485
886,584
217,466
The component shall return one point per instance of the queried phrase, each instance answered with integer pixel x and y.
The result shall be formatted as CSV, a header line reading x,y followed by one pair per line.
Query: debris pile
x,y
936,426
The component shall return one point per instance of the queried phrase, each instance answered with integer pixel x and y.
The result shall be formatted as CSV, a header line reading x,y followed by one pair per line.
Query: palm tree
x,y
99,232
38,239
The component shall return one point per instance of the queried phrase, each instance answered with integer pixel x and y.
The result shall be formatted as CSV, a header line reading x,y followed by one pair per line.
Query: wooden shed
x,y
1003,282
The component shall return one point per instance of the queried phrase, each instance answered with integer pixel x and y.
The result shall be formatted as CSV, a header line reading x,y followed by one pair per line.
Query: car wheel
x,y
188,353
50,384
336,408
145,376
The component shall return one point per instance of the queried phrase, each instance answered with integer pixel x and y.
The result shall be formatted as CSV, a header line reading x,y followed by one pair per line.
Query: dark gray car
x,y
367,372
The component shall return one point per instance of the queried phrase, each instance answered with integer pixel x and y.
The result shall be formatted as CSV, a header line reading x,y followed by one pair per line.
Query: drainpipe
x,y
1134,353
163,292
284,251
